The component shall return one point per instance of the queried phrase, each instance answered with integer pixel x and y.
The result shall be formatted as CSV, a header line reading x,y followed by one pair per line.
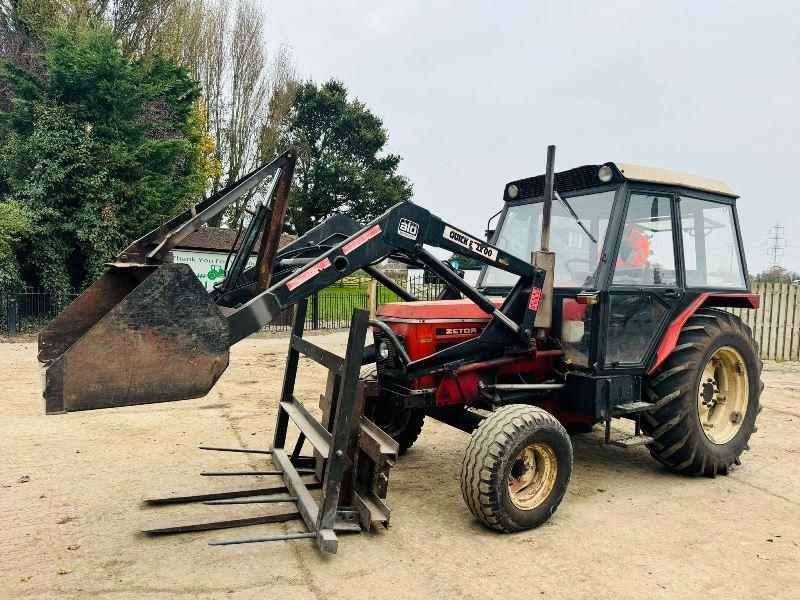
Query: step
x,y
635,440
630,407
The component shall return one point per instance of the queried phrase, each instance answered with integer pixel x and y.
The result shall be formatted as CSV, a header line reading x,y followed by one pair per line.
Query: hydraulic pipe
x,y
500,387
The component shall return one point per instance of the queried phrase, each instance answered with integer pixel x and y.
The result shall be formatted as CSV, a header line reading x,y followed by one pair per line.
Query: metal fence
x,y
776,325
27,311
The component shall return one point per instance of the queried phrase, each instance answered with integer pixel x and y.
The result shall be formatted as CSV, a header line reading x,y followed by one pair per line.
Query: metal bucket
x,y
138,335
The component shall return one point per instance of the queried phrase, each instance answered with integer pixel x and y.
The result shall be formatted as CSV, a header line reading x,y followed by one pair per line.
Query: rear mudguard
x,y
736,300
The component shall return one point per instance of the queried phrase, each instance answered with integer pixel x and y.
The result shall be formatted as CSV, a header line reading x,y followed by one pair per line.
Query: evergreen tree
x,y
98,149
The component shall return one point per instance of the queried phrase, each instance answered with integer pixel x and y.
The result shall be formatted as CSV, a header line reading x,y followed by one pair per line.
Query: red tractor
x,y
601,298
645,260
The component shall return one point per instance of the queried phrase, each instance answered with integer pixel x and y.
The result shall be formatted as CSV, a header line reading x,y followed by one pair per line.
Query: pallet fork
x,y
351,462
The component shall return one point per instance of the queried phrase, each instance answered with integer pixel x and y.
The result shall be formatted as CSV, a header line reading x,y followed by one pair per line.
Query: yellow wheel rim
x,y
532,476
723,395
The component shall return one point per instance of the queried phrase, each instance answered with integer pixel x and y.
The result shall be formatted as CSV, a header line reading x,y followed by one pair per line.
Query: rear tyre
x,y
516,468
706,395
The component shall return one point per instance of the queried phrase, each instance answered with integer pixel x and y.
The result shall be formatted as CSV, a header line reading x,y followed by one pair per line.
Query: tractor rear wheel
x,y
706,395
516,468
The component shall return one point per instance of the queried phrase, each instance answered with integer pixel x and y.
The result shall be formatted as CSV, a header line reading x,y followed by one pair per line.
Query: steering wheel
x,y
574,273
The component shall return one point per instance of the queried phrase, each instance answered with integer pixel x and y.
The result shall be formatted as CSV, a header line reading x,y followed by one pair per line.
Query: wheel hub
x,y
532,476
723,395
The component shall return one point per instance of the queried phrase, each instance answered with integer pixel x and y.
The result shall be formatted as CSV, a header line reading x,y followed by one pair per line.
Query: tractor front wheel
x,y
706,396
516,468
402,425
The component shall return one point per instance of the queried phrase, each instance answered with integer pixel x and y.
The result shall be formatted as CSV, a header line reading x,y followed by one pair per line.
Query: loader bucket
x,y
138,335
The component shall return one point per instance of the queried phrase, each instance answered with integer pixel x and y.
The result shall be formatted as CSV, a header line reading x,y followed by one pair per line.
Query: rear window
x,y
710,248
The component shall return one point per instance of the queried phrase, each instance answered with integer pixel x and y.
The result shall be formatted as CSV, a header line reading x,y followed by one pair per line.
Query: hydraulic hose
x,y
401,352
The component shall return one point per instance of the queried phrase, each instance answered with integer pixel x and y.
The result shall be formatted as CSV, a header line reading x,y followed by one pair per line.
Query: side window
x,y
710,250
646,253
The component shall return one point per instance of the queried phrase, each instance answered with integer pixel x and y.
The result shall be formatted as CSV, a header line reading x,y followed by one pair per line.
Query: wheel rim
x,y
723,395
532,476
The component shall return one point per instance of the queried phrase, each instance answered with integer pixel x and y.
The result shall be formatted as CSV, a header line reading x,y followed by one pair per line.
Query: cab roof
x,y
587,177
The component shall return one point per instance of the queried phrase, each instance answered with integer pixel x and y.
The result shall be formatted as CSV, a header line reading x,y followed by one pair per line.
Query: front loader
x,y
598,300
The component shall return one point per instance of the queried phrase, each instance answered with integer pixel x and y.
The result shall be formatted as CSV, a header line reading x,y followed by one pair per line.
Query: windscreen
x,y
576,242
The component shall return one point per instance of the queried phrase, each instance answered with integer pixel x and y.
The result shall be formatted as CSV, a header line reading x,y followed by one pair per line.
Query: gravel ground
x,y
71,488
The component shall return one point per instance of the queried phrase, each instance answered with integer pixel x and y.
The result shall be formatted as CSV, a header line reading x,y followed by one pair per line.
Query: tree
x,y
222,44
14,222
340,168
99,150
777,274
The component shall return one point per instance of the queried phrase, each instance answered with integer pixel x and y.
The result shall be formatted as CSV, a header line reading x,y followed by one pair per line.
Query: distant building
x,y
206,251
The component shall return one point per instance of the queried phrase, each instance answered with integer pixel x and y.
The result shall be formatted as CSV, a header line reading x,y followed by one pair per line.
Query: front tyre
x,y
402,425
516,468
706,395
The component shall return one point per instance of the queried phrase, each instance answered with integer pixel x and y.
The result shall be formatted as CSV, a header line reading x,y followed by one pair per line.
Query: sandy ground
x,y
626,527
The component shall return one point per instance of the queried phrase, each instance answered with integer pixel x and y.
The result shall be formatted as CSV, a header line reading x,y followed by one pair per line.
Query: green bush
x,y
97,149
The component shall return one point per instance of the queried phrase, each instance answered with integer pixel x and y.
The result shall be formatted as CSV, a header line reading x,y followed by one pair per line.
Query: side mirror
x,y
489,229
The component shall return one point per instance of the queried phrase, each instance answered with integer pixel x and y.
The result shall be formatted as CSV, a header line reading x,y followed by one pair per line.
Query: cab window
x,y
646,253
710,251
577,230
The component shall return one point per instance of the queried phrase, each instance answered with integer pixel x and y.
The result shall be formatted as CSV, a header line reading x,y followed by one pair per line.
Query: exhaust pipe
x,y
544,258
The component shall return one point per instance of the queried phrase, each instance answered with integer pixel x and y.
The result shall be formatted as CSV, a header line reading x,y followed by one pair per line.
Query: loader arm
x,y
154,247
402,232
147,331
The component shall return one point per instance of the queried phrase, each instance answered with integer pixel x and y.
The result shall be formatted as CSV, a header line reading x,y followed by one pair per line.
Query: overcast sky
x,y
473,92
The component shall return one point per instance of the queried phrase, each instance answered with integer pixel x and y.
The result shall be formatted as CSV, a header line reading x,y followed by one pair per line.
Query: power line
x,y
776,243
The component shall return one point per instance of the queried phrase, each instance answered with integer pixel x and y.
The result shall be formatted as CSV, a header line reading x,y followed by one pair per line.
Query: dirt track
x,y
626,528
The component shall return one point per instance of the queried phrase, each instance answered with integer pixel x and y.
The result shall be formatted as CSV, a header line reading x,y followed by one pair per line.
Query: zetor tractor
x,y
644,260
601,298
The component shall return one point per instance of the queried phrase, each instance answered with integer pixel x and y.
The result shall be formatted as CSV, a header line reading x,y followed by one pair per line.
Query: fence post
x,y
315,311
372,298
12,317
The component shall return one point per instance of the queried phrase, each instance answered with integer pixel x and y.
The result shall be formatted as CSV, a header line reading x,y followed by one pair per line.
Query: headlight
x,y
383,350
605,174
513,191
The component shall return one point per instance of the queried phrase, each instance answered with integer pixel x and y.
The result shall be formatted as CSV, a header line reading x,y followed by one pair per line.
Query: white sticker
x,y
408,229
470,243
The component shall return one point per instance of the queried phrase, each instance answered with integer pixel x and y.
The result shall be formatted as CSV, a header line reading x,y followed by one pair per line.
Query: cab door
x,y
645,286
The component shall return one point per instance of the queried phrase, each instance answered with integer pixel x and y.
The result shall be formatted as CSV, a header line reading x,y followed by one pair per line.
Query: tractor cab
x,y
634,248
